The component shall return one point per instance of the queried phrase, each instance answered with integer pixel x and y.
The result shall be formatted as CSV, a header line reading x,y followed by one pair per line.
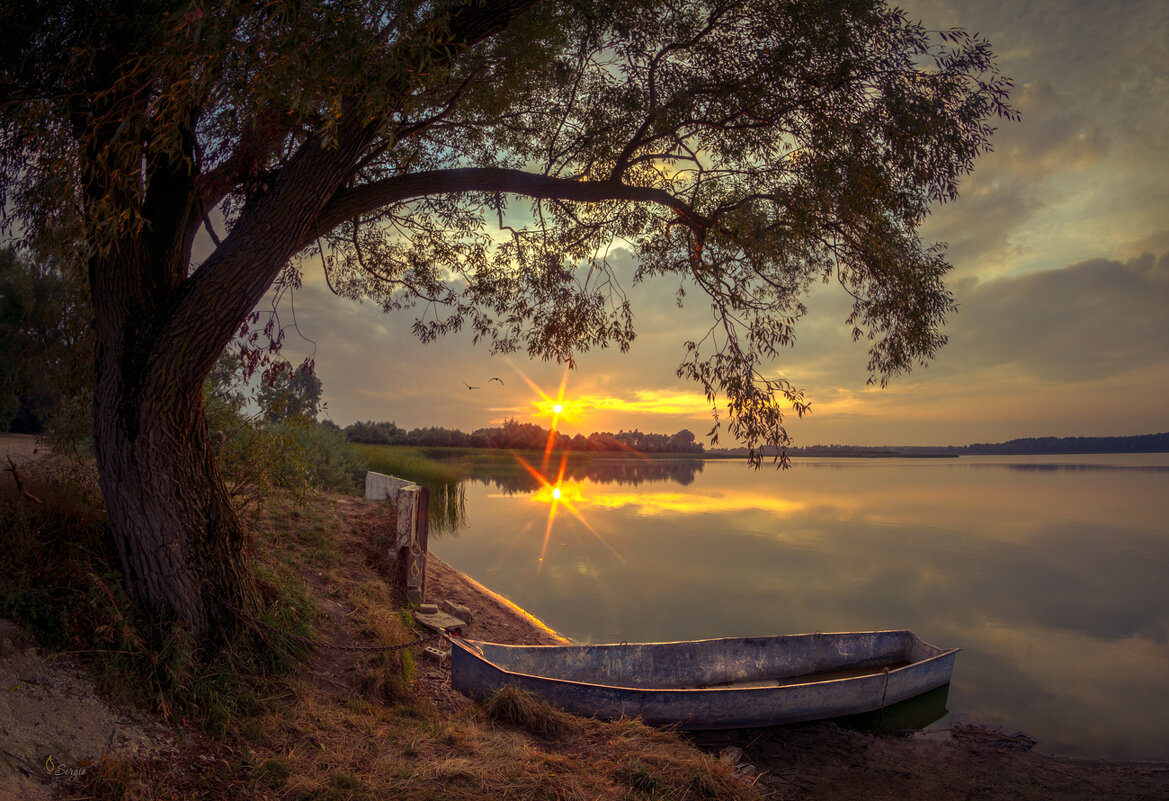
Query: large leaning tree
x,y
480,155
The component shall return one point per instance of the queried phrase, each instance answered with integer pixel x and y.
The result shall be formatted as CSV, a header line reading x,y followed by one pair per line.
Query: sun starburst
x,y
561,493
557,408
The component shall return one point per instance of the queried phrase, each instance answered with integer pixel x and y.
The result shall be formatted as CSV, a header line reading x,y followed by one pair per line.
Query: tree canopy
x,y
291,393
481,158
747,147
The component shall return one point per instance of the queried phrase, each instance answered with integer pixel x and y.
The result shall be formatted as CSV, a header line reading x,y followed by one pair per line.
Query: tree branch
x,y
349,203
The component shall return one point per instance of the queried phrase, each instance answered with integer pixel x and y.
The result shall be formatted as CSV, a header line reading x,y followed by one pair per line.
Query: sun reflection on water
x,y
560,493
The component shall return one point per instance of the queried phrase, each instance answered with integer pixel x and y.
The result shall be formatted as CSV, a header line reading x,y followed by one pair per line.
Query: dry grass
x,y
358,726
386,740
324,749
511,706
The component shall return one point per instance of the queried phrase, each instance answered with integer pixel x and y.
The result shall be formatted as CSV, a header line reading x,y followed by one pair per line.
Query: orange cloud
x,y
578,406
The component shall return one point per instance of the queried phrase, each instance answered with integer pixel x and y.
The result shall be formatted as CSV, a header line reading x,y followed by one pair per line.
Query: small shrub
x,y
332,463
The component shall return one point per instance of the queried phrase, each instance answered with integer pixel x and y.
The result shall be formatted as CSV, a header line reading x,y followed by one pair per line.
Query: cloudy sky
x,y
1060,248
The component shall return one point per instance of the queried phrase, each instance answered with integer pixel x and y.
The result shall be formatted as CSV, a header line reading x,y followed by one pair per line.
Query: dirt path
x,y
21,447
53,726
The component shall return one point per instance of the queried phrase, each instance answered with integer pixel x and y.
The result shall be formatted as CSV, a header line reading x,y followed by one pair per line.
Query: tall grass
x,y
445,480
59,579
412,463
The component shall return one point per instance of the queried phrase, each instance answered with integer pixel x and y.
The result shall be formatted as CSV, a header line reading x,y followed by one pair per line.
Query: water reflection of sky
x,y
1048,572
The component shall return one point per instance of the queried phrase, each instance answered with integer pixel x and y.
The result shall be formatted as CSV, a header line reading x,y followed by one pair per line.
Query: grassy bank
x,y
262,716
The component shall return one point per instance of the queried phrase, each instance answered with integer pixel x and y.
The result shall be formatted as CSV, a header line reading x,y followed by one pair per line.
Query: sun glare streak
x,y
572,411
557,411
553,407
558,494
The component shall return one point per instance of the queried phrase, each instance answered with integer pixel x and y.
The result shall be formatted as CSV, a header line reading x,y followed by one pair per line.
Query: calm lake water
x,y
1050,572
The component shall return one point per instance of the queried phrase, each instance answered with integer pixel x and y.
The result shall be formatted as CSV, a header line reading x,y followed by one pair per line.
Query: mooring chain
x,y
317,644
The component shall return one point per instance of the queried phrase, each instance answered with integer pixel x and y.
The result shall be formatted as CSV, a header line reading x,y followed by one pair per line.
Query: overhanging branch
x,y
349,203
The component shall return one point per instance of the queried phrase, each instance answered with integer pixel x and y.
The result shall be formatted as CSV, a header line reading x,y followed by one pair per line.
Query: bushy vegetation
x,y
282,446
46,368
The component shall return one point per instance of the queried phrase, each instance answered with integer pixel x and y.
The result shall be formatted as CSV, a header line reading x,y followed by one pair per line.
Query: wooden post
x,y
416,548
408,542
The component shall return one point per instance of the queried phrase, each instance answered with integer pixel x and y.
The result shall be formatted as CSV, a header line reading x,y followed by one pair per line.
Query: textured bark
x,y
180,542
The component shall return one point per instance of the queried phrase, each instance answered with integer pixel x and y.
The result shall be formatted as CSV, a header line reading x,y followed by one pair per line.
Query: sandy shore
x,y
496,619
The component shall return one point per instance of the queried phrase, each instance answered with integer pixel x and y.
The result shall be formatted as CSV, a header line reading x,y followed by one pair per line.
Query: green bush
x,y
256,454
330,461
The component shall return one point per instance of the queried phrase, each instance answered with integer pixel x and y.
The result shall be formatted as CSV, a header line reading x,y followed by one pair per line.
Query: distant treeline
x,y
515,435
1143,443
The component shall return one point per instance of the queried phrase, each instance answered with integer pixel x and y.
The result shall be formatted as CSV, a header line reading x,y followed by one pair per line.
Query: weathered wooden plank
x,y
380,487
410,534
416,549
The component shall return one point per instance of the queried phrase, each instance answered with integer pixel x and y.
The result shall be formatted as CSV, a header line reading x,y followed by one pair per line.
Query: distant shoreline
x,y
1030,446
800,455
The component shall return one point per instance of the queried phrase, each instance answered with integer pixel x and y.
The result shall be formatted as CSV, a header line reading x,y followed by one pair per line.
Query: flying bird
x,y
500,380
468,386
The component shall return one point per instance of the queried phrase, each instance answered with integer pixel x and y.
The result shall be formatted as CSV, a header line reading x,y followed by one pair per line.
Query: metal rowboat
x,y
729,683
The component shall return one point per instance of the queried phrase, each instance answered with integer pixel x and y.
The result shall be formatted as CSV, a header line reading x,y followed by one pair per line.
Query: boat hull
x,y
726,683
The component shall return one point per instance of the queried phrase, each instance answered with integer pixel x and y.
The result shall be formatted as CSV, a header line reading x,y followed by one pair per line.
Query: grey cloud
x,y
1153,243
1092,319
978,228
1054,134
1010,189
1091,81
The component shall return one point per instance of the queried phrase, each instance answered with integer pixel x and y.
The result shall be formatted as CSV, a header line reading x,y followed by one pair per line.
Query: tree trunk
x,y
160,328
180,542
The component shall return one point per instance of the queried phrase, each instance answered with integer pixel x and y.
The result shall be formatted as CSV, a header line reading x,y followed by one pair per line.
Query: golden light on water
x,y
560,493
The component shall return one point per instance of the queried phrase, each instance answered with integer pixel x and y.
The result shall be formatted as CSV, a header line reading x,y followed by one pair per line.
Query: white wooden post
x,y
411,531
